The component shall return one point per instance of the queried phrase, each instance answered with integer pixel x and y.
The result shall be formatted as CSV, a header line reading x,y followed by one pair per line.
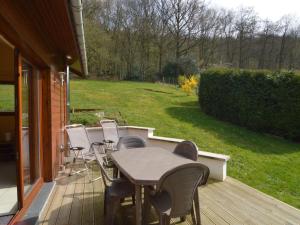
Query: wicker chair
x,y
128,142
173,198
116,189
189,150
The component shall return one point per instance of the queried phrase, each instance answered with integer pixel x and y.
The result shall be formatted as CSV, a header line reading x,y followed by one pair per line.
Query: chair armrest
x,y
108,141
97,143
76,148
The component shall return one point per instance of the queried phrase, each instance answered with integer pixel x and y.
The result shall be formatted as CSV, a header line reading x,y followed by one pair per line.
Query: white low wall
x,y
217,163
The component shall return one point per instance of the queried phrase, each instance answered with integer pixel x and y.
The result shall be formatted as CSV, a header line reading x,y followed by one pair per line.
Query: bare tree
x,y
182,24
137,38
245,25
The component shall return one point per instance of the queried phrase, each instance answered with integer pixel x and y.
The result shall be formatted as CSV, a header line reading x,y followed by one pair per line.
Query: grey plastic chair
x,y
115,190
110,133
82,147
189,149
176,191
128,142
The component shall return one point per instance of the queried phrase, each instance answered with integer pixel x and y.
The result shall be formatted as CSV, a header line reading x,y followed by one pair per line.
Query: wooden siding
x,y
76,201
58,117
54,121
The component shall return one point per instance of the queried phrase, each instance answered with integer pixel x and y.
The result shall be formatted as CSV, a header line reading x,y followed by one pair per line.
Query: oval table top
x,y
145,166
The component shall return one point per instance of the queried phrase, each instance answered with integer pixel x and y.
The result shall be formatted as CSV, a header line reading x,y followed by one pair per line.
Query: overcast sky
x,y
271,9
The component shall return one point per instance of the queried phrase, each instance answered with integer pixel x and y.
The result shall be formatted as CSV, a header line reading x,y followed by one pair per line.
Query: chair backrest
x,y
128,142
78,137
187,149
110,130
180,184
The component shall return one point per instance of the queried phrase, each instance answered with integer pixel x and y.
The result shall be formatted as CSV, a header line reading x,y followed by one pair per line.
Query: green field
x,y
267,163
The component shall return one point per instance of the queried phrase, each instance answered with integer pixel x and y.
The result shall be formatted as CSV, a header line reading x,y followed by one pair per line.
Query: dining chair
x,y
175,192
115,190
82,147
128,142
189,150
110,134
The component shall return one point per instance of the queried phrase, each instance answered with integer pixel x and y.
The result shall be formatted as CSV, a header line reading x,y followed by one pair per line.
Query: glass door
x,y
30,127
8,158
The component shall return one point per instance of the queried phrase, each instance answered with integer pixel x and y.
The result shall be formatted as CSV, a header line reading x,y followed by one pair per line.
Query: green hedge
x,y
260,100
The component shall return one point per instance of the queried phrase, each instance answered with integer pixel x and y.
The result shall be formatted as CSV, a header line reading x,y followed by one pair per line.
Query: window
x,y
7,98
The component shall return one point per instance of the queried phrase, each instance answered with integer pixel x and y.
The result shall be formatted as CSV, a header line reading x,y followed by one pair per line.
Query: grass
x,y
7,98
267,163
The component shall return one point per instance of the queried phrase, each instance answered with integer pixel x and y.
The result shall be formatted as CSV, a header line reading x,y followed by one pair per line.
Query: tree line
x,y
149,39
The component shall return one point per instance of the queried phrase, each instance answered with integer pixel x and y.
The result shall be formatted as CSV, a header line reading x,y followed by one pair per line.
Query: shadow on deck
x,y
76,201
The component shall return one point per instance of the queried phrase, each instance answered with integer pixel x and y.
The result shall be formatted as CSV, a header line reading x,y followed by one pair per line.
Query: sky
x,y
266,9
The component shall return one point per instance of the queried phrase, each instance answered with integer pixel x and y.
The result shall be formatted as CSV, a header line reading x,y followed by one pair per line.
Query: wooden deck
x,y
76,201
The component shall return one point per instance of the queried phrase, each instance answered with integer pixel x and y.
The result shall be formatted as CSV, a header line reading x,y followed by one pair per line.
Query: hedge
x,y
260,100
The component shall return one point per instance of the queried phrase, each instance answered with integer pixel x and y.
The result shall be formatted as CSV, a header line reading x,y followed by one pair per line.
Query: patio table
x,y
145,166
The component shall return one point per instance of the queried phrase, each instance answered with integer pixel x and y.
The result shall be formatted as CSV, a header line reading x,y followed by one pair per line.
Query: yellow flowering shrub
x,y
188,84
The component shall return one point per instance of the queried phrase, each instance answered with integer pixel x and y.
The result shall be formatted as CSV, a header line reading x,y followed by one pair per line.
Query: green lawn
x,y
7,98
267,163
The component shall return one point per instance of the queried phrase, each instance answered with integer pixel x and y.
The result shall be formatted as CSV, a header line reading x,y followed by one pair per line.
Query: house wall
x,y
58,120
6,62
7,125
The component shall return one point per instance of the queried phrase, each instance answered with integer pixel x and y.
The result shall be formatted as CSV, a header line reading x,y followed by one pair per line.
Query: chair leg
x,y
115,172
193,215
133,199
105,202
182,218
197,207
112,207
167,220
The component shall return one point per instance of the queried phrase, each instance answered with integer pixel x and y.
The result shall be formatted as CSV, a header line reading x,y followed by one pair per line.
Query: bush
x,y
184,66
188,83
85,118
260,100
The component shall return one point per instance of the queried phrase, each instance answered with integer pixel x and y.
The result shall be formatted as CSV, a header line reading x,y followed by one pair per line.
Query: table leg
x,y
138,205
146,208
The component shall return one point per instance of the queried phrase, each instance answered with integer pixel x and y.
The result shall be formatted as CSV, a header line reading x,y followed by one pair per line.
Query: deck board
x,y
76,201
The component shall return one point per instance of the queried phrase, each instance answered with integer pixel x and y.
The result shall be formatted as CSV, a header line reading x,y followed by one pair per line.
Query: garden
x,y
264,161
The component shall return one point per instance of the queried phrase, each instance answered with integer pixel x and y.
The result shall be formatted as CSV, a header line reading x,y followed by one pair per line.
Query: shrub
x,y
185,66
172,69
181,80
260,100
188,83
85,118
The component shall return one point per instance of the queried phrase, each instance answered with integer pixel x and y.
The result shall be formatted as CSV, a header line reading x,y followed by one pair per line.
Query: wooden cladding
x,y
54,120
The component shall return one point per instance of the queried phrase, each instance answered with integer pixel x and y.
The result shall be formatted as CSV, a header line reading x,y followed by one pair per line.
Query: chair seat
x,y
121,189
162,202
90,156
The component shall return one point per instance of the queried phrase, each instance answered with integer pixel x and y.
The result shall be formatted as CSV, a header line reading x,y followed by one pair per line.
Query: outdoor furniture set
x,y
170,180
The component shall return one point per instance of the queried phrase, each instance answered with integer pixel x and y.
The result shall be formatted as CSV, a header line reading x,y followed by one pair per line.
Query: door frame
x,y
24,201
